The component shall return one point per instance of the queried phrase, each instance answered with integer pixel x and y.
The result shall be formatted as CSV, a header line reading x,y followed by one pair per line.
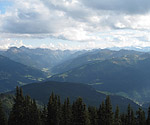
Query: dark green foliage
x,y
123,119
54,110
93,116
148,117
27,111
129,115
31,114
24,111
130,118
44,116
66,112
117,120
133,120
101,114
35,114
16,115
140,117
79,113
3,120
108,111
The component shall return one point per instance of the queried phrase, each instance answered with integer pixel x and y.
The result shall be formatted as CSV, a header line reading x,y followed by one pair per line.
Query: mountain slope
x,y
125,75
13,74
94,55
42,91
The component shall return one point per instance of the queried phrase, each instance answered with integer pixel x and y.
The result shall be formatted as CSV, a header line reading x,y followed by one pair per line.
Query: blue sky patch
x,y
4,5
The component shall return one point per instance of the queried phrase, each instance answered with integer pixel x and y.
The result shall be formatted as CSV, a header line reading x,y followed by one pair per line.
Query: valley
x,y
91,74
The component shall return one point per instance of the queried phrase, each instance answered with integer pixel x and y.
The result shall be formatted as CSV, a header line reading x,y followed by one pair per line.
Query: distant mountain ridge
x,y
93,55
39,58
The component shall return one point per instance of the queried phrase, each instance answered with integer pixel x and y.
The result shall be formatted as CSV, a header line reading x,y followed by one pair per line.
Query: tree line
x,y
26,112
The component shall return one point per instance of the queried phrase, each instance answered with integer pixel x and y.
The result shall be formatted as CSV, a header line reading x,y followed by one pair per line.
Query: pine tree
x,y
148,117
44,116
93,115
101,114
27,111
123,119
108,112
79,113
54,110
117,120
133,122
66,112
24,111
129,115
140,117
51,111
35,115
59,111
3,120
16,115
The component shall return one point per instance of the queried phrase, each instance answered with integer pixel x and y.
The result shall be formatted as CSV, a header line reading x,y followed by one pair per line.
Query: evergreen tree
x,y
129,115
79,113
123,119
140,117
54,110
133,122
35,114
59,110
117,120
3,120
24,111
148,117
44,116
108,112
27,111
51,111
93,115
16,115
101,114
66,112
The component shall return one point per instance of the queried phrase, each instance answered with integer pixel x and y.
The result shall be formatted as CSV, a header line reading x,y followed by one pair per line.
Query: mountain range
x,y
123,74
43,59
119,72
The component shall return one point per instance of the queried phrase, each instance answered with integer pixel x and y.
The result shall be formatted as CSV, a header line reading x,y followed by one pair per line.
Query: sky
x,y
74,24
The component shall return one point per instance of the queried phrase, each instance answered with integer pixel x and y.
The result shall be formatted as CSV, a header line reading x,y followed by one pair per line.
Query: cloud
x,y
100,23
7,43
123,6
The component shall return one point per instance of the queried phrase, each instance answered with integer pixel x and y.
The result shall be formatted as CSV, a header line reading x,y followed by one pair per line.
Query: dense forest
x,y
26,112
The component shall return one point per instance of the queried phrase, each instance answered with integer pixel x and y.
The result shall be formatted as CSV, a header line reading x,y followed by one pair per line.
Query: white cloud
x,y
7,43
103,23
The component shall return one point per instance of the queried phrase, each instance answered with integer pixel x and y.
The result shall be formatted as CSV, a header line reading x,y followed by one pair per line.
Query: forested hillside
x,y
25,112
